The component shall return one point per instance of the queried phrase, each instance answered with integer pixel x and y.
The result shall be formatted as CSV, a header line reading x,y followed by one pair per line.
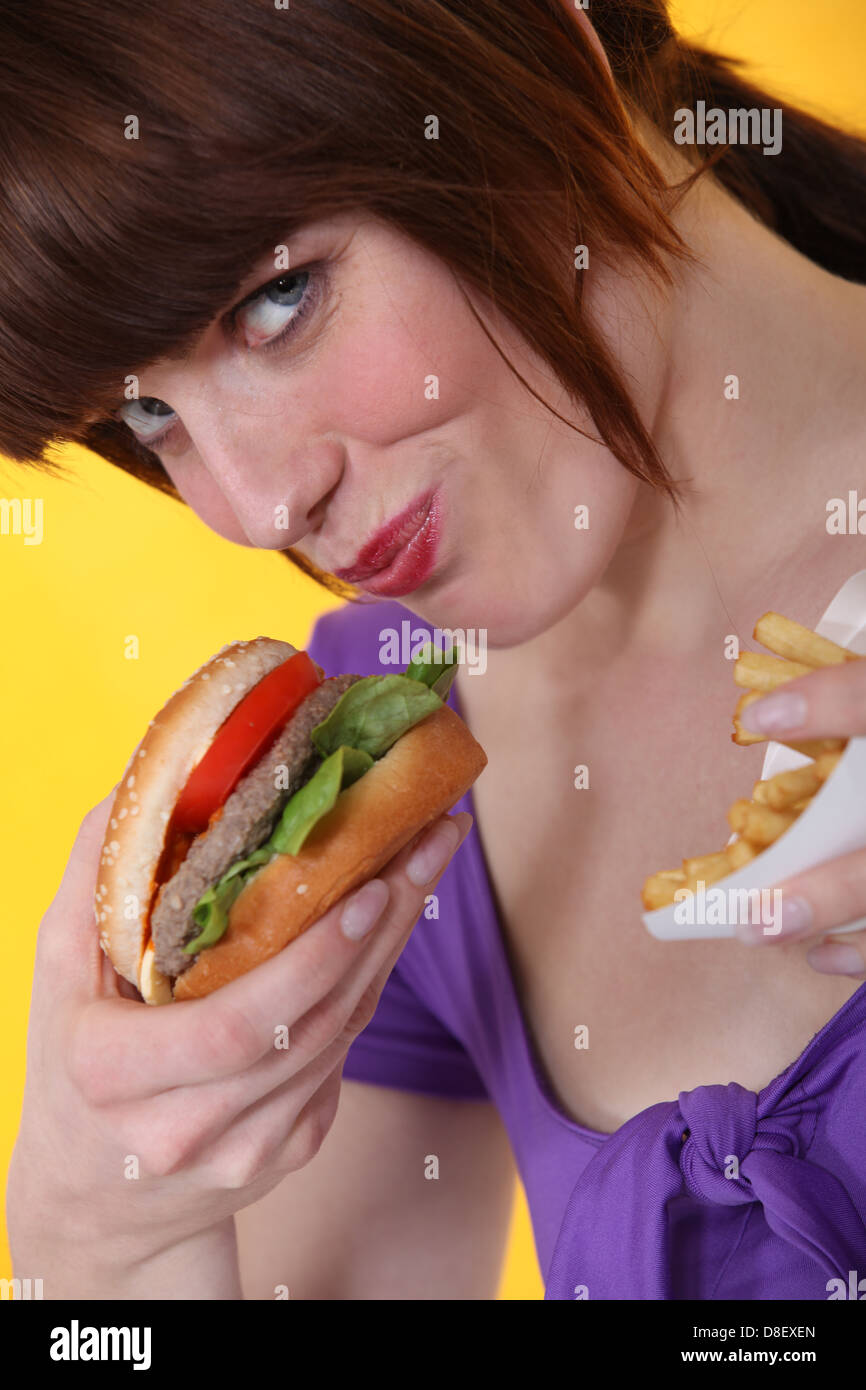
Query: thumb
x,y
67,946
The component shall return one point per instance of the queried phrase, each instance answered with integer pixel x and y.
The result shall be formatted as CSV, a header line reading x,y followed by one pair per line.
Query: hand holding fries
x,y
776,802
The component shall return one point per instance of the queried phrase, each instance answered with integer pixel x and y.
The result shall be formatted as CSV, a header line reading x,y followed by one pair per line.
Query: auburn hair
x,y
256,117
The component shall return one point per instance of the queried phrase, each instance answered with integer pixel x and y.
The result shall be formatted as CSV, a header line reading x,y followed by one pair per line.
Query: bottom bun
x,y
421,776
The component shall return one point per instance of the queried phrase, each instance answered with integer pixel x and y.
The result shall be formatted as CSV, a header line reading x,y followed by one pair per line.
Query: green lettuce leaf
x,y
373,713
435,668
317,797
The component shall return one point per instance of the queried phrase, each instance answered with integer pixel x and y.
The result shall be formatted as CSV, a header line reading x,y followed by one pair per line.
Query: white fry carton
x,y
834,823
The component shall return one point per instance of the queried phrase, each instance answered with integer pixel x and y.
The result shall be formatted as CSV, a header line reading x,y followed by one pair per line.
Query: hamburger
x,y
260,794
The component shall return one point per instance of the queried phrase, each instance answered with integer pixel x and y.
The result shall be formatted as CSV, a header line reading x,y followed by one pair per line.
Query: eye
x,y
145,417
271,311
269,317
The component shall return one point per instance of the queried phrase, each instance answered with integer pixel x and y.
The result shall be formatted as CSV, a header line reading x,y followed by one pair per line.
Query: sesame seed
x,y
122,813
302,887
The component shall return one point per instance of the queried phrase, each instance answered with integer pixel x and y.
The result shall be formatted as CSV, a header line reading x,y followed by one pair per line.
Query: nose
x,y
275,481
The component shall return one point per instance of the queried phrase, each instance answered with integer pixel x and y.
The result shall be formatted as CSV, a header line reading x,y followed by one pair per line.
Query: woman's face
x,y
386,391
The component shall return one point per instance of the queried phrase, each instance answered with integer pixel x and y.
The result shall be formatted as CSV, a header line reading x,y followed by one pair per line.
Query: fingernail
x,y
835,959
784,709
433,853
364,908
794,918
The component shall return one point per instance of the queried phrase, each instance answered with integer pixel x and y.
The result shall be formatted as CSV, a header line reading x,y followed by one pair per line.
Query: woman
x,y
326,262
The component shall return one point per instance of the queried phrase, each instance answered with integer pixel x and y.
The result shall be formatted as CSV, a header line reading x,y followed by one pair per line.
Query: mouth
x,y
401,555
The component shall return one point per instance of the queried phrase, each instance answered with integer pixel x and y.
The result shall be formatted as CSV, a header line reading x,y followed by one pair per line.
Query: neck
x,y
757,470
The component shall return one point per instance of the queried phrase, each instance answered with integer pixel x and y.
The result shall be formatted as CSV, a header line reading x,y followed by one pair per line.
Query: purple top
x,y
646,1212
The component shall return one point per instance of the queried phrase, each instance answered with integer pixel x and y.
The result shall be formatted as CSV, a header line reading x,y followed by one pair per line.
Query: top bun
x,y
176,740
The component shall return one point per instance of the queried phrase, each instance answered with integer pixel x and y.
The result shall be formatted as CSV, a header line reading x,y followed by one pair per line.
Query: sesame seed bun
x,y
156,774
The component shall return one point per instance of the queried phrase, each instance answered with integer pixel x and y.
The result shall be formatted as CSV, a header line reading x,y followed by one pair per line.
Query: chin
x,y
507,616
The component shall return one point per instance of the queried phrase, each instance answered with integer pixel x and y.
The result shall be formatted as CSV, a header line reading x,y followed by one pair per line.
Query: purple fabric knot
x,y
614,1231
722,1132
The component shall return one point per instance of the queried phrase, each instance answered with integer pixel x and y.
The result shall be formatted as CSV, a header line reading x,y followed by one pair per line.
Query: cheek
x,y
525,563
407,360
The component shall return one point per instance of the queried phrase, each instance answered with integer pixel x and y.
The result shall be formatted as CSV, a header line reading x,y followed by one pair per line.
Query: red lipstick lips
x,y
401,555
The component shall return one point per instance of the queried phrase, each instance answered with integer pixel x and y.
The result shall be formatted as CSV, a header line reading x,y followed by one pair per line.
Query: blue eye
x,y
145,417
272,313
279,304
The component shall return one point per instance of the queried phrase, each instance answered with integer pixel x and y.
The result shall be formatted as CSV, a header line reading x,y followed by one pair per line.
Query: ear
x,y
577,10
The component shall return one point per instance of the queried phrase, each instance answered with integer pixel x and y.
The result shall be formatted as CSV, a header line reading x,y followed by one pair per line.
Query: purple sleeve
x,y
404,1045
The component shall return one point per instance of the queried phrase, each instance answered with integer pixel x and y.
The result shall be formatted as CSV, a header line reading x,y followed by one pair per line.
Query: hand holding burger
x,y
214,1115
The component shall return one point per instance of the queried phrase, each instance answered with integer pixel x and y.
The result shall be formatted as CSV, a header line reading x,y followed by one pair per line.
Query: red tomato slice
x,y
241,740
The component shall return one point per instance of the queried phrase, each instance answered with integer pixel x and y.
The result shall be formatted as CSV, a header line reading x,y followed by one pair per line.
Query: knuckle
x,y
849,890
318,967
276,1154
846,701
85,1061
314,1031
56,941
166,1152
229,1041
361,1014
305,1140
50,950
328,1023
245,1166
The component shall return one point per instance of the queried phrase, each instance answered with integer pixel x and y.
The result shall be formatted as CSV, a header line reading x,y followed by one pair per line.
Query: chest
x,y
571,823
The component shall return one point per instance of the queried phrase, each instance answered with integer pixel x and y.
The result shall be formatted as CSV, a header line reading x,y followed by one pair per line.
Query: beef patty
x,y
247,820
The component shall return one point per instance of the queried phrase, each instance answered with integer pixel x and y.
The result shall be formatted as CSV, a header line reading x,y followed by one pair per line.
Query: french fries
x,y
758,824
797,643
777,801
739,852
786,788
741,735
659,889
758,672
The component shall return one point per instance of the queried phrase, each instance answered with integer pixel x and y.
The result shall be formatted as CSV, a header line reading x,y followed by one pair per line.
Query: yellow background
x,y
118,559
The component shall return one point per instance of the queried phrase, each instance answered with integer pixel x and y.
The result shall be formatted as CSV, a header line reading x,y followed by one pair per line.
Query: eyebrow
x,y
110,403
185,351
